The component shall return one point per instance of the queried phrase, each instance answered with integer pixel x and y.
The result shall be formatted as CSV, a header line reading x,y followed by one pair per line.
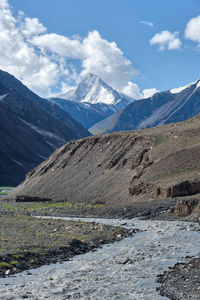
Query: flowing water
x,y
123,270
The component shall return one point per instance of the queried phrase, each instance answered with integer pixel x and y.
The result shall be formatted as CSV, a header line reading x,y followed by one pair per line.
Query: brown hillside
x,y
121,168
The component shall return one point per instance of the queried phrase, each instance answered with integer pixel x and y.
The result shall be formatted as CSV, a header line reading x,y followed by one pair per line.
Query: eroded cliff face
x,y
187,208
121,168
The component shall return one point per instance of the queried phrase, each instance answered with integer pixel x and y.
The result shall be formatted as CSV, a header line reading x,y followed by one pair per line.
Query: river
x,y
123,270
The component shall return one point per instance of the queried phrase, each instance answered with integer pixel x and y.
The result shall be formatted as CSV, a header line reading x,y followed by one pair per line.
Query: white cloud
x,y
149,92
133,90
19,57
32,27
150,24
44,61
166,40
97,55
192,30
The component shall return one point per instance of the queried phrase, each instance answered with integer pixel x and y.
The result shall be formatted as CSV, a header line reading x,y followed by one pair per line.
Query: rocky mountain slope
x,y
122,169
162,108
31,128
86,113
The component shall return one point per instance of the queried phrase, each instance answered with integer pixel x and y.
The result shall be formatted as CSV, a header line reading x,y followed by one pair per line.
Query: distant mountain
x,y
162,108
93,90
91,101
31,128
86,113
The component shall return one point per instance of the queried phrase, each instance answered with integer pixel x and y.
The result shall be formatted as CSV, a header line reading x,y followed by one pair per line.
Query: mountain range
x,y
31,128
162,108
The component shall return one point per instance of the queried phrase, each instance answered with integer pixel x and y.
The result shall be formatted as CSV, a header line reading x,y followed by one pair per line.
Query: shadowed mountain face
x,y
162,108
120,169
86,113
31,128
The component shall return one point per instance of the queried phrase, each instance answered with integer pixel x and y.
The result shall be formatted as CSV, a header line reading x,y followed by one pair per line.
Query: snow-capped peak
x,y
182,88
93,89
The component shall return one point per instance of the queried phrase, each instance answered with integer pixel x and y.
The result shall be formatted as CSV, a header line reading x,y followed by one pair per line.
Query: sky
x,y
138,47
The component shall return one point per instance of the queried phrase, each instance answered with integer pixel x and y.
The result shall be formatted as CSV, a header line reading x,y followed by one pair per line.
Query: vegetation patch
x,y
4,190
159,139
42,206
28,242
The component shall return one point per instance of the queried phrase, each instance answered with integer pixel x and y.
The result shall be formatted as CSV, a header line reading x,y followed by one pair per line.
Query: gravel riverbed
x,y
126,269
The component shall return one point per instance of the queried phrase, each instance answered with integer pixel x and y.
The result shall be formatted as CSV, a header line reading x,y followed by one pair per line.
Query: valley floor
x,y
123,270
23,247
28,242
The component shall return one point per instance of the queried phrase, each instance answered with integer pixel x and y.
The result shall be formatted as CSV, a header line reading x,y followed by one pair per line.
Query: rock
x,y
7,272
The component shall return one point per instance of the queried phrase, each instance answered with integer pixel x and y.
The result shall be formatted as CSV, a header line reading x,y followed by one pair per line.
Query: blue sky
x,y
132,65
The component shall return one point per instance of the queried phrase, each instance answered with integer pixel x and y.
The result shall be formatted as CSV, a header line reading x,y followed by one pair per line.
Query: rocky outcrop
x,y
139,164
186,208
184,188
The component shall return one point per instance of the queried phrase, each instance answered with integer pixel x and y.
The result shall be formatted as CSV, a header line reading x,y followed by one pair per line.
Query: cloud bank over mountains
x,y
43,60
47,62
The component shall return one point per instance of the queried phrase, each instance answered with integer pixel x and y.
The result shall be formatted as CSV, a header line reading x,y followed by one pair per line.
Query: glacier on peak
x,y
93,90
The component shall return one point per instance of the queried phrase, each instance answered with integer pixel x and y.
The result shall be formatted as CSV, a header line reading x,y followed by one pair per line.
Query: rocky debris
x,y
141,162
118,158
182,281
136,189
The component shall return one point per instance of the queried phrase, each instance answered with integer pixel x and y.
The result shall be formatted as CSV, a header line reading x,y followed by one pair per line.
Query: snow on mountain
x,y
182,88
162,108
93,89
3,96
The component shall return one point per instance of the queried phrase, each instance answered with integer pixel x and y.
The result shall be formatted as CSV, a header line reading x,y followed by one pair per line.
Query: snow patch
x,y
18,163
93,90
3,96
182,88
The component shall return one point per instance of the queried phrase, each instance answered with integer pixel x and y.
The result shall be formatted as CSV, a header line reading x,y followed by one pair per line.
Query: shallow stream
x,y
123,270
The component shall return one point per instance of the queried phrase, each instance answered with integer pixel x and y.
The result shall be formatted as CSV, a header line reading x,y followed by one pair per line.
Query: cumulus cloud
x,y
96,54
43,61
134,91
150,24
19,57
166,40
192,30
32,27
149,92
